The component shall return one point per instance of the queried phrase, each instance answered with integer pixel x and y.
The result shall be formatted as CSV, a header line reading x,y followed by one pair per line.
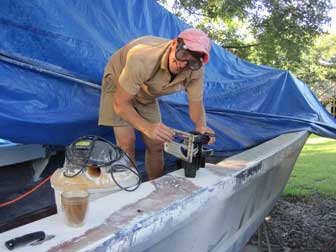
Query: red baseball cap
x,y
197,41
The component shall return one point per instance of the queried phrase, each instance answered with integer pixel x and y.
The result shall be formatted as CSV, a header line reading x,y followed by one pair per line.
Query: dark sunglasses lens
x,y
182,54
195,64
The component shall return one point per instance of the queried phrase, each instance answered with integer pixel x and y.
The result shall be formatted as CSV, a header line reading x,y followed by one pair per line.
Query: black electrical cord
x,y
70,158
116,155
128,188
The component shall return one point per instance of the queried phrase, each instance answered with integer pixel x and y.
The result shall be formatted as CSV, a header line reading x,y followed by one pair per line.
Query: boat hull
x,y
219,210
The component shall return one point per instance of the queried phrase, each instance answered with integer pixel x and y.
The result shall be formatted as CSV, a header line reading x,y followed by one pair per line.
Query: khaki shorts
x,y
107,115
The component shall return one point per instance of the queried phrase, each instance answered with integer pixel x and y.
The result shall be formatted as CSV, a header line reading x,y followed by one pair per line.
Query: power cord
x,y
115,153
118,153
25,194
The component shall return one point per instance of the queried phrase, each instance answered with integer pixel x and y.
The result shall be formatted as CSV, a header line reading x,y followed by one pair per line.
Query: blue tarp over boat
x,y
50,50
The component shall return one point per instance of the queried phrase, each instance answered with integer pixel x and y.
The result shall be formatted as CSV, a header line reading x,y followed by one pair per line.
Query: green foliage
x,y
286,29
235,40
318,62
314,170
278,33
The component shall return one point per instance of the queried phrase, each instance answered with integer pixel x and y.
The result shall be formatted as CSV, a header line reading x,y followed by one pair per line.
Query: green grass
x,y
315,169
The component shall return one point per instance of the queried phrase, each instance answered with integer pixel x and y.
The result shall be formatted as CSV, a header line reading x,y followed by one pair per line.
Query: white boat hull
x,y
219,210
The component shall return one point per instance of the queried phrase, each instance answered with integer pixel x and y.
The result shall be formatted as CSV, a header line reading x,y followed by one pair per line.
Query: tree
x,y
271,32
318,65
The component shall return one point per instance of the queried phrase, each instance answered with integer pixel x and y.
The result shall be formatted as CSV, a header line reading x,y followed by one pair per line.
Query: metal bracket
x,y
185,150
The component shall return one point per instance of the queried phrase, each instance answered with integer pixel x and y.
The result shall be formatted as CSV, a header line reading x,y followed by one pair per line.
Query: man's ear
x,y
174,42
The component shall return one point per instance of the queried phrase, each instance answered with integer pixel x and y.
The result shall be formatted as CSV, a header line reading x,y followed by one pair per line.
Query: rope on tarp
x,y
45,69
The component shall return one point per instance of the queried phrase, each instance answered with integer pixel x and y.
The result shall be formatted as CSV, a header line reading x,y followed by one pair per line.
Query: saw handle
x,y
209,134
202,138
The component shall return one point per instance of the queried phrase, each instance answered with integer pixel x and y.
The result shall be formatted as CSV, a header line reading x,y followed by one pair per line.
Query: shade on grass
x,y
315,169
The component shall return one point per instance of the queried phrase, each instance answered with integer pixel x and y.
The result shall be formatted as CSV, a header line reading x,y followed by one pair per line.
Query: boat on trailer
x,y
219,210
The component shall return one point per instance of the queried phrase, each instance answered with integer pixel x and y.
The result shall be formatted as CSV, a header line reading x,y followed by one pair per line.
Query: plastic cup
x,y
75,207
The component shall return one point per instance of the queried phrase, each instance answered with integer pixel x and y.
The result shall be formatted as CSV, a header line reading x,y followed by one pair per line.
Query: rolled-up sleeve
x,y
133,74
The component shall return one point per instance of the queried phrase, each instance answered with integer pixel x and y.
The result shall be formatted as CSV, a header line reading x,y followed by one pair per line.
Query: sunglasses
x,y
194,59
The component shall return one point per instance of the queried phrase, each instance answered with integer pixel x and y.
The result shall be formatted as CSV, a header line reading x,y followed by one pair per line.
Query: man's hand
x,y
159,132
203,130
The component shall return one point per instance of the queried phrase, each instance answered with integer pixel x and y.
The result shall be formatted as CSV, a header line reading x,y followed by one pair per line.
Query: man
x,y
141,71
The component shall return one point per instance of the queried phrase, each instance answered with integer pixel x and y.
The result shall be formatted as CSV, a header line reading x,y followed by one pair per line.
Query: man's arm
x,y
123,107
197,115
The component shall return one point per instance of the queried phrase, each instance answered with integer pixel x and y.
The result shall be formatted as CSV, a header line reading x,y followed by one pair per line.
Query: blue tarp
x,y
50,50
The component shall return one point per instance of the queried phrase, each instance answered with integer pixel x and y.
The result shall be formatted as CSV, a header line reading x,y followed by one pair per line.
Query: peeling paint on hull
x,y
217,211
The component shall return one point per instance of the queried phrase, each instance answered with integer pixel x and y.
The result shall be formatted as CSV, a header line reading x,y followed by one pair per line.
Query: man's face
x,y
176,66
181,59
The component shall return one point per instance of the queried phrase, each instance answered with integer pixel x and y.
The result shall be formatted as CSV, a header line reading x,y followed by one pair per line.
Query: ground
x,y
304,219
305,223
